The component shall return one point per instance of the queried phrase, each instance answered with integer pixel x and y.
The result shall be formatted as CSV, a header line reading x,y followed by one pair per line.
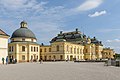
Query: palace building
x,y
3,45
108,53
91,49
69,45
23,45
62,50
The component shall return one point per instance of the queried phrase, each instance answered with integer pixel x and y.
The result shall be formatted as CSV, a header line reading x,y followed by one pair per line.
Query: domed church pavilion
x,y
23,46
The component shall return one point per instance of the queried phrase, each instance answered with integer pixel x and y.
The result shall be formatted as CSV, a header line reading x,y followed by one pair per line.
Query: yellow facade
x,y
23,46
98,51
89,52
24,52
108,53
62,51
66,46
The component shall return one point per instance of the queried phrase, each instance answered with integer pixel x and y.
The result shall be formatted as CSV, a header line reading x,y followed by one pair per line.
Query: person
x,y
54,60
67,59
3,60
6,60
15,60
11,60
41,61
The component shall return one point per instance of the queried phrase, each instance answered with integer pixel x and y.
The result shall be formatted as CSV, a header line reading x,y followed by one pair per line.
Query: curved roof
x,y
23,33
69,36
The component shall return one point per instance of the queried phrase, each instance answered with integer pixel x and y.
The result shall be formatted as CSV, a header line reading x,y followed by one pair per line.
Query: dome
x,y
23,32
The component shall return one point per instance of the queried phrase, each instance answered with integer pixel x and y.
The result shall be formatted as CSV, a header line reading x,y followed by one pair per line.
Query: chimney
x,y
60,32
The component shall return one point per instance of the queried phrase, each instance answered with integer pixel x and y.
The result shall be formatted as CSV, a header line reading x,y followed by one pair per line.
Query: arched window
x,y
77,50
31,57
37,57
57,47
54,57
49,57
23,48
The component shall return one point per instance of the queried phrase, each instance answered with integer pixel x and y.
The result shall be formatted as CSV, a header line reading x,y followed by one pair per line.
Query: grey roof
x,y
23,33
69,36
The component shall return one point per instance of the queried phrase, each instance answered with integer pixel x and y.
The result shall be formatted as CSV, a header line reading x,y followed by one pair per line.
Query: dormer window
x,y
12,39
23,39
32,40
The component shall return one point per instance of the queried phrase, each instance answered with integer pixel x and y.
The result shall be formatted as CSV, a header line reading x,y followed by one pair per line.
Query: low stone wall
x,y
92,61
113,63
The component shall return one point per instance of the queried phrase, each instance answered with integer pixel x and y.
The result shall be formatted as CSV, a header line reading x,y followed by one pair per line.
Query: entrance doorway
x,y
71,58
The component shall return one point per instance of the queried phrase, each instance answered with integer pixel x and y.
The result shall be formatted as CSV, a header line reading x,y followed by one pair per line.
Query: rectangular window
x,y
23,39
49,49
40,50
61,57
31,48
71,50
86,50
9,48
23,57
57,47
23,48
34,49
74,50
12,49
67,48
45,49
37,49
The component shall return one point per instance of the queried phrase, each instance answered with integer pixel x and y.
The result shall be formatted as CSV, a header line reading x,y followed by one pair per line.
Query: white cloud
x,y
113,41
20,4
88,5
41,18
20,8
26,8
97,14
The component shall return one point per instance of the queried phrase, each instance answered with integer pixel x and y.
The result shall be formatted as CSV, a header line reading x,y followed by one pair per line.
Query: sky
x,y
46,18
